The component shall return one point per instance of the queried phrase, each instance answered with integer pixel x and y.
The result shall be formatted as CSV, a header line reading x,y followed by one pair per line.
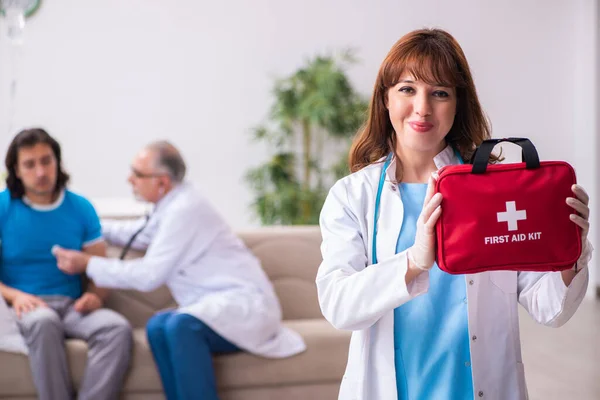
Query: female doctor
x,y
420,333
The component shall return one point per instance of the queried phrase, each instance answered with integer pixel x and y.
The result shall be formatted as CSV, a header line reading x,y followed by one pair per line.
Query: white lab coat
x,y
362,299
210,273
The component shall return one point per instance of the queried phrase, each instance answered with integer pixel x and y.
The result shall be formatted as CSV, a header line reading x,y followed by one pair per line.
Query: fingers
x,y
430,188
94,305
581,222
579,206
55,250
62,265
435,215
62,258
430,207
86,304
581,194
65,265
70,261
18,310
79,305
39,302
28,305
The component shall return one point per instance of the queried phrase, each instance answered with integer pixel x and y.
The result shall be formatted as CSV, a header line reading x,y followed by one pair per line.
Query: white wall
x,y
586,105
596,133
106,76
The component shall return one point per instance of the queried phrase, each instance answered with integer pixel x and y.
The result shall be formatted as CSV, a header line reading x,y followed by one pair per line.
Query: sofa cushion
x,y
324,361
15,375
290,255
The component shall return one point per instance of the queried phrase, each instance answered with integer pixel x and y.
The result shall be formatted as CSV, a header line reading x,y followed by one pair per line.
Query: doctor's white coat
x,y
362,299
209,271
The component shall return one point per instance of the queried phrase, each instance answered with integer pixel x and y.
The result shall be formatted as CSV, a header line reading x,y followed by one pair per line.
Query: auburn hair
x,y
434,57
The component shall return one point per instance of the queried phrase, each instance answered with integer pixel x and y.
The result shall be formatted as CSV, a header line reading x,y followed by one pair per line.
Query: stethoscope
x,y
388,160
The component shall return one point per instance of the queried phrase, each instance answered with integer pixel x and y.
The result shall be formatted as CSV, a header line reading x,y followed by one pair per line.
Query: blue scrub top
x,y
431,337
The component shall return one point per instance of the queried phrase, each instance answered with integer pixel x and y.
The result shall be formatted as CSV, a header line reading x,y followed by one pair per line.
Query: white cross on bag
x,y
512,216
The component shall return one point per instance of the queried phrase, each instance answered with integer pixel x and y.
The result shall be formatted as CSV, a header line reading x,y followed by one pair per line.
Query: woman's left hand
x,y
582,215
581,219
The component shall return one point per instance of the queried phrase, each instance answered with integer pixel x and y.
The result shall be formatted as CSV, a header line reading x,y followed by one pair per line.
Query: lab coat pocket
x,y
506,281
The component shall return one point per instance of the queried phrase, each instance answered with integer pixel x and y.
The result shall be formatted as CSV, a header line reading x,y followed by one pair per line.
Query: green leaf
x,y
314,104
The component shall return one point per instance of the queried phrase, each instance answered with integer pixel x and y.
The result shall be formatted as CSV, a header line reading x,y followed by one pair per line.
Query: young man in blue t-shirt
x,y
36,213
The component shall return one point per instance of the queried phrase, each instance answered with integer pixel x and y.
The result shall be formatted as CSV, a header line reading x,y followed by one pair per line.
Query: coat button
x,y
471,282
480,393
474,338
393,187
467,364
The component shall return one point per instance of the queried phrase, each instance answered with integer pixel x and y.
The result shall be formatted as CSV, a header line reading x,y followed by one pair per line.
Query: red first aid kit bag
x,y
506,216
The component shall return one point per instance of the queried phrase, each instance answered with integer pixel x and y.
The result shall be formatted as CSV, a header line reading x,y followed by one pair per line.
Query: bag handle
x,y
482,153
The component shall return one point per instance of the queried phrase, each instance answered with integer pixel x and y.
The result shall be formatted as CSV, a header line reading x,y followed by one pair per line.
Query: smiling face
x,y
424,97
421,114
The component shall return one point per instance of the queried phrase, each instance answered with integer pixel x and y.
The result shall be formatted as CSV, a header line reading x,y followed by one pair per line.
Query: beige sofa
x,y
290,256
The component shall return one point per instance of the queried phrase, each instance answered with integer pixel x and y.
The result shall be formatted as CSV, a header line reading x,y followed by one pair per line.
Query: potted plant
x,y
315,106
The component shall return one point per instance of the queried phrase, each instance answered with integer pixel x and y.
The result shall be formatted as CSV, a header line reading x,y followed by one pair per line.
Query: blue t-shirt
x,y
431,336
27,235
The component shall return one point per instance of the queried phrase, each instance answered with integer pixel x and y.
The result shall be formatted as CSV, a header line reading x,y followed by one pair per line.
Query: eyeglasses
x,y
144,175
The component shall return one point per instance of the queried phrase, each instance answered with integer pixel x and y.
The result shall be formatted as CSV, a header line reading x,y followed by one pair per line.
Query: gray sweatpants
x,y
109,340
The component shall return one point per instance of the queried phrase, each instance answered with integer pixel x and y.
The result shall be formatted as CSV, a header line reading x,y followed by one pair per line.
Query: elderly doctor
x,y
420,333
226,302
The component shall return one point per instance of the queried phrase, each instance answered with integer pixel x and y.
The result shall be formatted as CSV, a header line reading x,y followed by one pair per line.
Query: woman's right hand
x,y
422,253
24,302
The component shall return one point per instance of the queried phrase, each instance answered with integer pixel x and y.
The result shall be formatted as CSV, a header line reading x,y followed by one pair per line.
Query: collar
x,y
169,197
45,207
443,158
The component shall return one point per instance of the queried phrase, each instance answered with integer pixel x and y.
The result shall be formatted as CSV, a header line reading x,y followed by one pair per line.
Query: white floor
x,y
563,363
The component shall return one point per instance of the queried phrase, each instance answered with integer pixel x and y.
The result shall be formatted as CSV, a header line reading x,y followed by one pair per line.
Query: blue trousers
x,y
182,347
